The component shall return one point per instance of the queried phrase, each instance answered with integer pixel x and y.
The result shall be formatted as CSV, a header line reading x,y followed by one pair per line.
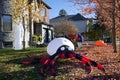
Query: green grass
x,y
10,69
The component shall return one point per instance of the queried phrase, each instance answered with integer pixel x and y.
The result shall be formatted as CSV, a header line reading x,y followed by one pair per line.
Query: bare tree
x,y
65,28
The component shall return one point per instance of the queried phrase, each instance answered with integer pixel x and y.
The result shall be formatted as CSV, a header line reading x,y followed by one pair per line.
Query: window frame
x,y
43,13
2,23
7,44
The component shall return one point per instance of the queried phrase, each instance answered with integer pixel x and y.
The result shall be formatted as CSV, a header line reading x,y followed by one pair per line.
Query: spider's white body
x,y
56,43
62,48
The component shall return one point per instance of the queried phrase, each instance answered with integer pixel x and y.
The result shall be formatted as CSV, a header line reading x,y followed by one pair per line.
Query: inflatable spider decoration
x,y
62,48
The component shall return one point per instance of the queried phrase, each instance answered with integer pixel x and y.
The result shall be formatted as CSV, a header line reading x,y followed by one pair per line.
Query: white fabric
x,y
18,38
56,43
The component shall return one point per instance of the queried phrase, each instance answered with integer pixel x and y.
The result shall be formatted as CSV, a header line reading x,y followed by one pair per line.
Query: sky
x,y
57,5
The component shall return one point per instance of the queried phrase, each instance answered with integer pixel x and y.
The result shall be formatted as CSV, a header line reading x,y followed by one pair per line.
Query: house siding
x,y
81,25
46,17
42,23
5,6
5,9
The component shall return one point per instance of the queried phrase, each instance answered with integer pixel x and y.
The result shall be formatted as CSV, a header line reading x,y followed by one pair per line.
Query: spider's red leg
x,y
82,59
93,63
52,70
42,70
52,63
99,66
34,60
45,62
30,57
26,63
37,60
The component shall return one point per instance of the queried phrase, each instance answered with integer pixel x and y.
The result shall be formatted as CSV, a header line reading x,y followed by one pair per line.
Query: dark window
x,y
7,23
37,29
43,12
8,44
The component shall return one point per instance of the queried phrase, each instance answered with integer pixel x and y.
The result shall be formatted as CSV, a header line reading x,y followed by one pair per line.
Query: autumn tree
x,y
96,31
65,28
19,12
107,11
103,9
19,9
25,11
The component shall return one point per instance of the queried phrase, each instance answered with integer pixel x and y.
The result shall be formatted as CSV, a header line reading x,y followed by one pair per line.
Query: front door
x,y
46,35
37,29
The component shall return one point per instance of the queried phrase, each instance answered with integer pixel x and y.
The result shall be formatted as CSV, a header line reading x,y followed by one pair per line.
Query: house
x,y
33,20
78,20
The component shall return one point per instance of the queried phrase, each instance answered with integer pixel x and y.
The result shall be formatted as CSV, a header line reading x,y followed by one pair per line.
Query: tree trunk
x,y
113,29
23,22
30,26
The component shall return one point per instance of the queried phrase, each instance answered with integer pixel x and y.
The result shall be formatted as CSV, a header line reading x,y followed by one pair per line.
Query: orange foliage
x,y
104,11
88,10
72,36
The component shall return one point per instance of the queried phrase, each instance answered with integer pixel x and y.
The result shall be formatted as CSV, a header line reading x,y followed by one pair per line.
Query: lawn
x,y
69,69
10,69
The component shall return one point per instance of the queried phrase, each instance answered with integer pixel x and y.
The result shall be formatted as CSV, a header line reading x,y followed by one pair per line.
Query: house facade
x,y
31,22
78,20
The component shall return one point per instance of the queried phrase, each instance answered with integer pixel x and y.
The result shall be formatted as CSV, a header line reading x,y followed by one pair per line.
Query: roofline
x,y
46,5
46,24
40,1
68,19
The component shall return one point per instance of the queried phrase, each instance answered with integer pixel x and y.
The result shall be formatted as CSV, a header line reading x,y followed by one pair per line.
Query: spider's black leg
x,y
93,63
79,57
86,61
34,60
99,66
52,64
52,70
45,62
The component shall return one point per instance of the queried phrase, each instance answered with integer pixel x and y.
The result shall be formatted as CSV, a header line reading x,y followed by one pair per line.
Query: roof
x,y
40,1
76,17
46,5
